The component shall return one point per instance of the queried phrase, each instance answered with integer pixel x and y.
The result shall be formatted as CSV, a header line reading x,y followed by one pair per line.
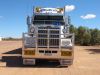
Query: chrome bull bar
x,y
34,41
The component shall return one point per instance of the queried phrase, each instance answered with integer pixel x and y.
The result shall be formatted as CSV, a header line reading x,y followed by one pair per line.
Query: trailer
x,y
48,37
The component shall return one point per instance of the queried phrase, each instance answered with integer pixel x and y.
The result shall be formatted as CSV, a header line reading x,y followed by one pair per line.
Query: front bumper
x,y
47,54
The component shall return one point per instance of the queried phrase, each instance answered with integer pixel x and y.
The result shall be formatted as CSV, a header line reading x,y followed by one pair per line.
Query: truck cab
x,y
48,37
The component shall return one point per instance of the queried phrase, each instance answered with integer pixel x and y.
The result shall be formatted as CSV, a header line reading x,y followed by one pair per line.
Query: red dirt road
x,y
86,62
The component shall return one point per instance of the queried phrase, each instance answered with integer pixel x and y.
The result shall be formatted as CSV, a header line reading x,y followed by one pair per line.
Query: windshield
x,y
42,19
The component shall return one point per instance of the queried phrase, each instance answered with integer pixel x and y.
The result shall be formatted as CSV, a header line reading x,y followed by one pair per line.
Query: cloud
x,y
88,16
69,8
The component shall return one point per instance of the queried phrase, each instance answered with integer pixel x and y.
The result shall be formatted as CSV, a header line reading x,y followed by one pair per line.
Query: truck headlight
x,y
64,31
32,30
66,42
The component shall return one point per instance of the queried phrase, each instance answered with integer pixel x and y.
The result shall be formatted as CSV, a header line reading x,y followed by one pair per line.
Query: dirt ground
x,y
86,62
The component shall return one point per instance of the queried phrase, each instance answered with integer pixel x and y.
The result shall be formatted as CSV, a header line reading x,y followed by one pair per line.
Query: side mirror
x,y
28,20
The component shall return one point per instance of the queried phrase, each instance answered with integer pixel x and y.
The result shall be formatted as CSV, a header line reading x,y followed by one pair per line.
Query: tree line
x,y
85,36
11,39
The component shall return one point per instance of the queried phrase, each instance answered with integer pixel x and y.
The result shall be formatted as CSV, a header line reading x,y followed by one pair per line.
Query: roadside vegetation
x,y
85,36
11,39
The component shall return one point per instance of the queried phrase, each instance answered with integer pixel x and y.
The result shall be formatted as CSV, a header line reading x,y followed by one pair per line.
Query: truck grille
x,y
48,38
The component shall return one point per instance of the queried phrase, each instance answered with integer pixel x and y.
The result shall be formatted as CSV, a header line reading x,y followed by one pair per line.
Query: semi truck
x,y
48,37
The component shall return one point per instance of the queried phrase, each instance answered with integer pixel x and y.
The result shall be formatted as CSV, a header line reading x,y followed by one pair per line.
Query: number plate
x,y
48,54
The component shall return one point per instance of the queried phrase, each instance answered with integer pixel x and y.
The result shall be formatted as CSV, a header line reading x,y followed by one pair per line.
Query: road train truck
x,y
48,37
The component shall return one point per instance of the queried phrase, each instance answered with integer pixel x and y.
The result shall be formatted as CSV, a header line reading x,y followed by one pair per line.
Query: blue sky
x,y
13,14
